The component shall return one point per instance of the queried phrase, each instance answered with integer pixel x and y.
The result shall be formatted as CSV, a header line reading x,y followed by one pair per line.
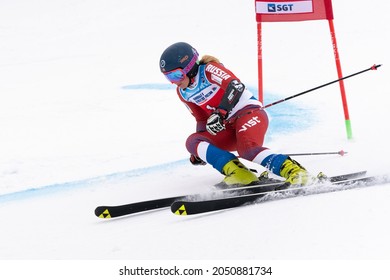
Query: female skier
x,y
228,118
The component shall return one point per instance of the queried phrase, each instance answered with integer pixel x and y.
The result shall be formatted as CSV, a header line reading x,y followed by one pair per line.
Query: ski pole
x,y
374,67
341,153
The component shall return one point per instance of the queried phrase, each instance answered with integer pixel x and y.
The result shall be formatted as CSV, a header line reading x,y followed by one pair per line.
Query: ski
x,y
108,212
182,207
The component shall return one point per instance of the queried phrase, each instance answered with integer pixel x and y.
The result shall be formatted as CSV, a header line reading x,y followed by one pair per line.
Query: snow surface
x,y
87,119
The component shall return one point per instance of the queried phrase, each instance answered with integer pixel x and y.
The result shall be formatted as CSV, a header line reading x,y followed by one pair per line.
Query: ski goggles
x,y
176,75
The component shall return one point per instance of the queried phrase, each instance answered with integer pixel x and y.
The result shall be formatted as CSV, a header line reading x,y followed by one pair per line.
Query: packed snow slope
x,y
86,119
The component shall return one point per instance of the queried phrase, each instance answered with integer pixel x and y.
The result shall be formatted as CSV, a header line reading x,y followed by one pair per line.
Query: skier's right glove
x,y
215,123
196,160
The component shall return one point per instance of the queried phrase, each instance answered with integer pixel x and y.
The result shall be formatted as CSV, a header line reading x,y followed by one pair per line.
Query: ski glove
x,y
196,160
215,123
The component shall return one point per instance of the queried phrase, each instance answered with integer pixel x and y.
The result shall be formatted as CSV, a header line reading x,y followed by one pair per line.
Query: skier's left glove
x,y
196,160
215,123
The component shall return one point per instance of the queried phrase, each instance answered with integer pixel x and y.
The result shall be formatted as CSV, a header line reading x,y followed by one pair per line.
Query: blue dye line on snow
x,y
284,117
282,120
53,188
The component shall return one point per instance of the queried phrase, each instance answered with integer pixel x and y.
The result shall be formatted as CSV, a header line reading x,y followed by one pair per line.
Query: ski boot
x,y
264,178
294,173
236,174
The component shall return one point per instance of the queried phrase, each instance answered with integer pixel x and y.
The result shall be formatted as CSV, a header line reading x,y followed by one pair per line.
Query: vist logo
x,y
251,123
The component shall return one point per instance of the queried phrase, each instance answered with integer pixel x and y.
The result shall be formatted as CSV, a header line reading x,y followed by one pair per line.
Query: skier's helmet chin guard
x,y
179,60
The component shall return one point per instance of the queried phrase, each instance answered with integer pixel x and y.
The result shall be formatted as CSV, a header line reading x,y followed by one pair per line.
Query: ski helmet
x,y
180,56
